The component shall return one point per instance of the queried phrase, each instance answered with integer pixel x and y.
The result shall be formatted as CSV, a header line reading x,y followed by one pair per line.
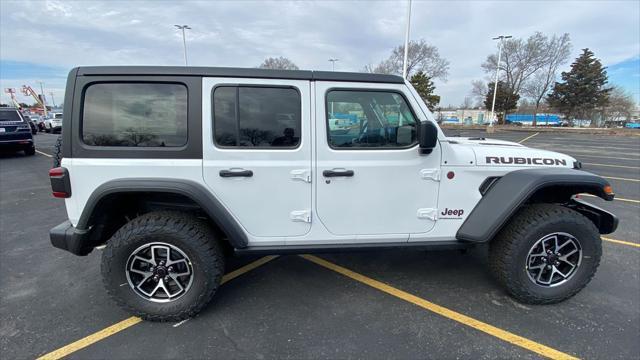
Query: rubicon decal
x,y
451,213
524,161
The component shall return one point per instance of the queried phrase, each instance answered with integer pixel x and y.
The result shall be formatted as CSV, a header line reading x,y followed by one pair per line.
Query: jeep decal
x,y
455,213
523,161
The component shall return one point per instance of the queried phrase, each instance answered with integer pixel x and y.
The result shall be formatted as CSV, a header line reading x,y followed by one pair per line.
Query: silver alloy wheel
x,y
553,259
159,272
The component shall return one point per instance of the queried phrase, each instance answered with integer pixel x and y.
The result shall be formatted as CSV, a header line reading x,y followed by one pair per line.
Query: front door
x,y
257,153
371,181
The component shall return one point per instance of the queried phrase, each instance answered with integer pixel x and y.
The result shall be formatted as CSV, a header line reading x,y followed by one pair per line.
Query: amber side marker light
x,y
609,191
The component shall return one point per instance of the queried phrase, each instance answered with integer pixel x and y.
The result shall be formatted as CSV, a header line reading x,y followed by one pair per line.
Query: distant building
x,y
462,116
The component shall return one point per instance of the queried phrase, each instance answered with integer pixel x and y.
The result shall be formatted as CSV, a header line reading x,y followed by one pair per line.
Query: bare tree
x,y
384,67
467,103
421,57
557,51
621,105
520,60
279,63
478,91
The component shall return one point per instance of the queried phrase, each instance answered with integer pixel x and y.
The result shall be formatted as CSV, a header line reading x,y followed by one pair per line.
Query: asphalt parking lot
x,y
392,304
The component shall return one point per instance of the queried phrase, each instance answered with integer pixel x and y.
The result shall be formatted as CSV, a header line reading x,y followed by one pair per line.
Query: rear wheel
x,y
163,266
546,254
30,150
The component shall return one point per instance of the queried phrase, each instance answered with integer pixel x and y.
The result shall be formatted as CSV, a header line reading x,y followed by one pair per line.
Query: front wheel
x,y
546,254
163,266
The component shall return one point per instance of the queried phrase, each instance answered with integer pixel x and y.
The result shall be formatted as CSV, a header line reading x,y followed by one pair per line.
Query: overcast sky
x,y
42,40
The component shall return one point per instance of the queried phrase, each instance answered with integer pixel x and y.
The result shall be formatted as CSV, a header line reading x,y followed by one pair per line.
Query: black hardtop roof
x,y
237,72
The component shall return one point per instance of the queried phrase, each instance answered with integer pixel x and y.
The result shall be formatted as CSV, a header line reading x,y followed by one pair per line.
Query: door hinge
x,y
430,174
301,174
428,213
301,216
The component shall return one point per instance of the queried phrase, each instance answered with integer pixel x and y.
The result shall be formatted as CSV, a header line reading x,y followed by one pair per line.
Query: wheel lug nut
x,y
156,278
167,278
162,262
544,259
170,269
548,266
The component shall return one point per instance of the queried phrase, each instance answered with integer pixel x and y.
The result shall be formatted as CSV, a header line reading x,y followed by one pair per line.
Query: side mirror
x,y
427,137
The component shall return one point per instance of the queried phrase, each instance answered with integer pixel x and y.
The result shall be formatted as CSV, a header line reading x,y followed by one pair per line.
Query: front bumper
x,y
66,237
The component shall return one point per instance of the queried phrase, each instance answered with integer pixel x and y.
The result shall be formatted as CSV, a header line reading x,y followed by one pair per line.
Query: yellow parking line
x,y
616,198
245,269
43,153
527,138
620,242
619,178
124,324
616,166
442,311
605,157
91,339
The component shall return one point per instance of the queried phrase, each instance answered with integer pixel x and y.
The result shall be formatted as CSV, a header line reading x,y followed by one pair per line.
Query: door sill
x,y
336,248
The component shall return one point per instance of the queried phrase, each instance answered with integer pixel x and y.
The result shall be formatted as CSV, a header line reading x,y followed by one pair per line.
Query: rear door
x,y
257,153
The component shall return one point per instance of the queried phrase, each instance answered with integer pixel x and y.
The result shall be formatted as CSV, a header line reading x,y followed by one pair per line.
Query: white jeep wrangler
x,y
167,166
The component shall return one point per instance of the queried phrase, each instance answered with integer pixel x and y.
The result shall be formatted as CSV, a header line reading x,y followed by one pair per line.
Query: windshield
x,y
58,116
8,115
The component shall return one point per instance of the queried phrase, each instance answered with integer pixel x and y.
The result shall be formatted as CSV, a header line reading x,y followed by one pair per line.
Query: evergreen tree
x,y
425,88
506,100
582,91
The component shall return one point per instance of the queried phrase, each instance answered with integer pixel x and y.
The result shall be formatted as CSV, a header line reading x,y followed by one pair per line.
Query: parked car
x,y
53,123
38,120
15,132
167,175
32,123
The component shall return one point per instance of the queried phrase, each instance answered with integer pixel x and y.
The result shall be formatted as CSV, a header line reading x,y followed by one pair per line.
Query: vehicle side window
x,y
369,119
135,115
256,117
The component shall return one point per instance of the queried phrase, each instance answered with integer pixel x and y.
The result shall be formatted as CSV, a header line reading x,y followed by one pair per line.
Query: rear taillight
x,y
60,183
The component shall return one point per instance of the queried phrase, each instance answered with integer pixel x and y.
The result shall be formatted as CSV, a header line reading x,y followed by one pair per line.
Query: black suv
x,y
15,132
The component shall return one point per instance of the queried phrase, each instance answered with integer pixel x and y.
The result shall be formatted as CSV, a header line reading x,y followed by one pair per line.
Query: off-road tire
x,y
509,250
194,237
30,151
57,152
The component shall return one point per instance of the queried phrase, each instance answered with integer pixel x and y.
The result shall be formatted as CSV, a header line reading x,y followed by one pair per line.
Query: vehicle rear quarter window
x,y
135,115
256,117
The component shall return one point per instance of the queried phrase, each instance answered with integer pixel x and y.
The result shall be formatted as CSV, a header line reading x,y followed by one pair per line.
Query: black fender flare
x,y
194,191
506,195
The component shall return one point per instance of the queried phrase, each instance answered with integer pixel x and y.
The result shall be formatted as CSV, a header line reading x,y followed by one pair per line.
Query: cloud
x,y
64,34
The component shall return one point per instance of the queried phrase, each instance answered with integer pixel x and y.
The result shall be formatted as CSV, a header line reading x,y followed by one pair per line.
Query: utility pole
x,y
406,41
52,99
44,101
184,41
495,84
333,63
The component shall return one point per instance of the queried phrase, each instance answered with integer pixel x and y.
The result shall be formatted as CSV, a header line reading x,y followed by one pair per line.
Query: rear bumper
x,y
16,143
67,237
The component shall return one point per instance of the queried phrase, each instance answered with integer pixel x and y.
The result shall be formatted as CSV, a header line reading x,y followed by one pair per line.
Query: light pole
x,y
44,102
406,41
333,63
184,41
52,99
495,84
